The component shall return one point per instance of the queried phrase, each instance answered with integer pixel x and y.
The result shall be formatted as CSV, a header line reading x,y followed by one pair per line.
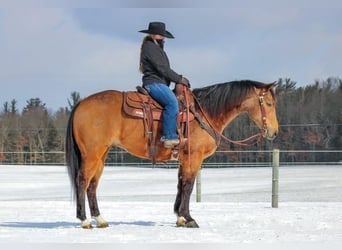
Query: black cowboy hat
x,y
157,28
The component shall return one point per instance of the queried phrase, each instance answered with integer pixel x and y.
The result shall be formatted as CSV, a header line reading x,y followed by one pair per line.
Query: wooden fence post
x,y
198,186
275,178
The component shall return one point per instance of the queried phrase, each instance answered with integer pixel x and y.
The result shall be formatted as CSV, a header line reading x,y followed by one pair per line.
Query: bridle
x,y
263,112
218,136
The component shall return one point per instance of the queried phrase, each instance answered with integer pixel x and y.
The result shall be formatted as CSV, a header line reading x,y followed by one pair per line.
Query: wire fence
x,y
221,159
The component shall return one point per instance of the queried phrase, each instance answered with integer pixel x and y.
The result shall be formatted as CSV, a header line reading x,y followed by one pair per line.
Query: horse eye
x,y
269,104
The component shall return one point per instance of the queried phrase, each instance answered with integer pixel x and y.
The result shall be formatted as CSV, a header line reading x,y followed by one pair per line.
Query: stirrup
x,y
171,143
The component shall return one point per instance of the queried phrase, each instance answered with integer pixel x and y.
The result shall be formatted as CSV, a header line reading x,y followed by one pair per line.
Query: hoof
x,y
102,225
191,224
86,225
181,222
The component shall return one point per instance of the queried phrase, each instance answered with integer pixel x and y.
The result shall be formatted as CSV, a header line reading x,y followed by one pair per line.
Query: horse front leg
x,y
185,186
184,218
179,194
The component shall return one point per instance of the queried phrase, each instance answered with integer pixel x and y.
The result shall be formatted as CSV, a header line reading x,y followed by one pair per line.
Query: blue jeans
x,y
166,98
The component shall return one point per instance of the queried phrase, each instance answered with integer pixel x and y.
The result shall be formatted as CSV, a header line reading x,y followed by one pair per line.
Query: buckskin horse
x,y
99,122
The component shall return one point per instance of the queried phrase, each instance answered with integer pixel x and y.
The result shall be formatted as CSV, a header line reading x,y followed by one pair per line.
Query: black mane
x,y
223,97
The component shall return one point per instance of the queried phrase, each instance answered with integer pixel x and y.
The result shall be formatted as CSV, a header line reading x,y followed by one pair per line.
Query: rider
x,y
157,75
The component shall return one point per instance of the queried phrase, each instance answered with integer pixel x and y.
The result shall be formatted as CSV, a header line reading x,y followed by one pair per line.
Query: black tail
x,y
72,154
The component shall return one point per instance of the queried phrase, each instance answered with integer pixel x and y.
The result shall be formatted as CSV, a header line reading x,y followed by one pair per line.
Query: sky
x,y
50,52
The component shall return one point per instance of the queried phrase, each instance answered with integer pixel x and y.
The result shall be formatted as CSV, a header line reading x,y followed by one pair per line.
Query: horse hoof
x,y
86,225
181,222
102,225
191,224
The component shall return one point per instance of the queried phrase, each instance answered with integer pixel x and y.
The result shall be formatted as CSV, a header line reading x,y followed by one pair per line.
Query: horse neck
x,y
223,120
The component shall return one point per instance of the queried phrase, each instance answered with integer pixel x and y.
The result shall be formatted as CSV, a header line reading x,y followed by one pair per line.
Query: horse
x,y
98,123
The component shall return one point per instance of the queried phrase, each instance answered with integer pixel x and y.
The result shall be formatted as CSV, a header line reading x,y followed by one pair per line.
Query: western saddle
x,y
139,104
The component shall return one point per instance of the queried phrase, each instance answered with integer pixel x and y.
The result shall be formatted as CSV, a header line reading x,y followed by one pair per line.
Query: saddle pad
x,y
135,103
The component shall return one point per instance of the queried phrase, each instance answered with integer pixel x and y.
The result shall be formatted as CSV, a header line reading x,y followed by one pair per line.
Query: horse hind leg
x,y
91,192
80,207
94,209
92,199
88,179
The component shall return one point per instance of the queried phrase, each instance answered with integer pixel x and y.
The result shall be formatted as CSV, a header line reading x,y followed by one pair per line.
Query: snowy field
x,y
35,207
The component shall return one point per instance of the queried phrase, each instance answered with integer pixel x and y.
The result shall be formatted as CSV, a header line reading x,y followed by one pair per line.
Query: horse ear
x,y
272,85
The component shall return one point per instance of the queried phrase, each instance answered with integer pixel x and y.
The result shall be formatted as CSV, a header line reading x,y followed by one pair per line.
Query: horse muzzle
x,y
270,134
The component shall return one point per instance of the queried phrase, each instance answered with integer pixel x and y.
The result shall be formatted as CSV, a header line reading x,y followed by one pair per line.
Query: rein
x,y
187,104
218,136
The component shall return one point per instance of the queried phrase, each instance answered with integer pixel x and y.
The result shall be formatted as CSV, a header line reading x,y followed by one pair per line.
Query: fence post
x,y
198,186
275,178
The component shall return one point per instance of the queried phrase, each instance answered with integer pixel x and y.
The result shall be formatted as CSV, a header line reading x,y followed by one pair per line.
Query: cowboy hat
x,y
157,28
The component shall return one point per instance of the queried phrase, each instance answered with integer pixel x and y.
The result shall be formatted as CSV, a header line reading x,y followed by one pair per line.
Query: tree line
x,y
310,119
29,136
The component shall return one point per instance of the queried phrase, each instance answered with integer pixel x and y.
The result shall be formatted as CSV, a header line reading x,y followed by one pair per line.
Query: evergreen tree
x,y
75,98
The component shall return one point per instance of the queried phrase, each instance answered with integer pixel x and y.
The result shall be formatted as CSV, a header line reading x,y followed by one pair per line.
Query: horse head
x,y
261,108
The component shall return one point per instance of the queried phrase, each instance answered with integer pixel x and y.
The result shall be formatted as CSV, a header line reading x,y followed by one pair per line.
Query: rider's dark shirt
x,y
155,64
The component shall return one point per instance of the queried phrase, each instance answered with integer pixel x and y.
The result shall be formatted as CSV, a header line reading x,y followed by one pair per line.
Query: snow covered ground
x,y
35,206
